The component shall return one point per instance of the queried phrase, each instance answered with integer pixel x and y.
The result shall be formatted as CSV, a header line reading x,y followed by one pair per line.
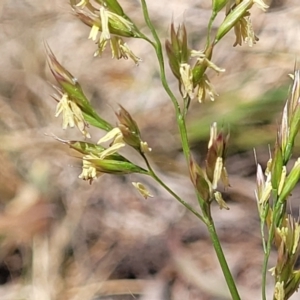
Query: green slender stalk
x,y
159,54
274,223
211,20
265,264
187,102
262,225
159,181
266,258
222,260
186,150
158,50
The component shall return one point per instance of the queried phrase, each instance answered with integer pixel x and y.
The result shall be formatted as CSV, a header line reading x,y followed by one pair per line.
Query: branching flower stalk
x,y
111,26
179,55
273,191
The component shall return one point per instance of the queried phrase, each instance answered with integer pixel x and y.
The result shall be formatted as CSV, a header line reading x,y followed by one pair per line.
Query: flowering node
x,y
121,50
89,171
97,160
126,120
72,102
291,118
284,132
186,80
238,17
215,159
144,147
232,18
192,80
201,82
109,16
93,166
116,135
276,167
291,181
72,115
287,242
293,284
200,181
265,193
206,89
64,78
260,182
130,131
177,49
110,20
204,62
244,32
217,172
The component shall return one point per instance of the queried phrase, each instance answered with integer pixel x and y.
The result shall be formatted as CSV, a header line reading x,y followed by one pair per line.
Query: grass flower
x,y
263,186
202,85
94,32
206,90
89,169
216,155
72,102
145,147
142,190
222,204
71,114
120,49
206,180
200,181
110,20
186,78
93,166
116,135
177,49
238,16
203,60
130,131
287,243
97,161
244,32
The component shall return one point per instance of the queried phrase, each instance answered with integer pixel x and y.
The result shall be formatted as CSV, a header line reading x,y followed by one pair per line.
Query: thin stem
x,y
180,117
158,50
263,213
160,57
159,181
183,135
187,102
266,260
186,150
211,20
271,234
222,260
262,232
265,268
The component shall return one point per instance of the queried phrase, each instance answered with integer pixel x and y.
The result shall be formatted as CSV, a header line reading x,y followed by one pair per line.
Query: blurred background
x,y
61,238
